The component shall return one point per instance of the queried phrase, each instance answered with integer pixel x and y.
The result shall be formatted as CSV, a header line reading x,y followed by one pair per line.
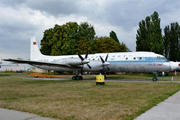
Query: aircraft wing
x,y
31,62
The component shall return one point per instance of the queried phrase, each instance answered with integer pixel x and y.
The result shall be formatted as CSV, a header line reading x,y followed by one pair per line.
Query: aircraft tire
x,y
74,78
77,78
154,79
81,78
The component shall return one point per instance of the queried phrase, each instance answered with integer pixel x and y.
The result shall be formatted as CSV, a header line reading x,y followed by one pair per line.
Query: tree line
x,y
149,37
70,38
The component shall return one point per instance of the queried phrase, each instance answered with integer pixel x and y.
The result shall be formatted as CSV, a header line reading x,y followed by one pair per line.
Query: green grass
x,y
79,100
4,75
144,76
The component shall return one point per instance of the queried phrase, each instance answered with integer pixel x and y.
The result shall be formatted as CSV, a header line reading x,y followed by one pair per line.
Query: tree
x,y
166,42
83,46
106,45
149,37
155,37
171,41
123,48
64,39
113,36
46,48
86,31
93,44
60,40
70,38
142,37
86,34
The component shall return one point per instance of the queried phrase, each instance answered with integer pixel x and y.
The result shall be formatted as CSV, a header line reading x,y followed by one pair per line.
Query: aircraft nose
x,y
174,65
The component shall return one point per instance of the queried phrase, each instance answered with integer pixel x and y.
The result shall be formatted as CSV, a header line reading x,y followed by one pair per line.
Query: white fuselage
x,y
119,62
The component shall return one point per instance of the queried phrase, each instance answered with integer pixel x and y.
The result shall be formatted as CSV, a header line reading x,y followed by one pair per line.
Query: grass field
x,y
143,76
80,100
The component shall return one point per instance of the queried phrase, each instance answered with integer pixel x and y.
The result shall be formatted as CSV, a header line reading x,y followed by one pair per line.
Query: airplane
x,y
141,62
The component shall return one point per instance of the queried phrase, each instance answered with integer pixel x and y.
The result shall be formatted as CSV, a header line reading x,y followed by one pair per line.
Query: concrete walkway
x,y
166,110
16,115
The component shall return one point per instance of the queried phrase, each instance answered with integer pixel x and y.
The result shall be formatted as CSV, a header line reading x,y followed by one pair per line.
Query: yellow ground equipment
x,y
100,80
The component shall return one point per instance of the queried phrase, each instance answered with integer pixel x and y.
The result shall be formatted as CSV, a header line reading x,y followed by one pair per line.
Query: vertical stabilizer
x,y
35,53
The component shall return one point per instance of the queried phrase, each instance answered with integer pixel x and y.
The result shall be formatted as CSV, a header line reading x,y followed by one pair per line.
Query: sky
x,y
20,20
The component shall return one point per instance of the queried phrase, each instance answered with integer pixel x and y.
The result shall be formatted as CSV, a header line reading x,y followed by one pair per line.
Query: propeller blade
x,y
105,63
87,54
108,69
89,66
84,60
101,59
106,57
80,57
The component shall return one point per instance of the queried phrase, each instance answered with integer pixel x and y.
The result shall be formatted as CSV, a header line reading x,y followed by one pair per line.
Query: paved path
x,y
166,110
16,115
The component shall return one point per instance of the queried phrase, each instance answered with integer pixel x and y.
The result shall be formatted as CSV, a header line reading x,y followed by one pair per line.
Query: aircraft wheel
x,y
154,79
74,78
81,78
77,78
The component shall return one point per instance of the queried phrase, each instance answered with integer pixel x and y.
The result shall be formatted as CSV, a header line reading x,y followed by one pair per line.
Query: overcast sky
x,y
22,19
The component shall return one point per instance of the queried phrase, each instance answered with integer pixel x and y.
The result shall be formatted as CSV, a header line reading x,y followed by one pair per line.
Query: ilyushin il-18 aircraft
x,y
141,62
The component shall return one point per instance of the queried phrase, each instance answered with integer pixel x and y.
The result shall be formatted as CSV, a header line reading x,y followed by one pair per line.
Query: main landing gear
x,y
77,77
155,78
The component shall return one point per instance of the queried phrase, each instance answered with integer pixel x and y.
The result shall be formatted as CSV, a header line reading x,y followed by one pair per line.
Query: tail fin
x,y
34,50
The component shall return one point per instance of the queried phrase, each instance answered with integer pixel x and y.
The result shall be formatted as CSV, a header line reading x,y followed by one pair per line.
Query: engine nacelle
x,y
73,61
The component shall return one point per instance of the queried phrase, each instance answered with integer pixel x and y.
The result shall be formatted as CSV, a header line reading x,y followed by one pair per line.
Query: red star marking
x,y
34,43
179,64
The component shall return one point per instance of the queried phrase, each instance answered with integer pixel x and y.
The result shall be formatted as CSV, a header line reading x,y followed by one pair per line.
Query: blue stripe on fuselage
x,y
139,59
133,61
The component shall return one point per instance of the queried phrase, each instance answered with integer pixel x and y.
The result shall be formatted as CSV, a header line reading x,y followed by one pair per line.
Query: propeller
x,y
84,60
105,63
